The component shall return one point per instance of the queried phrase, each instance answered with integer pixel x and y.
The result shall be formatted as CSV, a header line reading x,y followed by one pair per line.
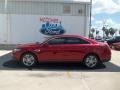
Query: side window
x,y
56,41
83,42
72,41
118,38
76,41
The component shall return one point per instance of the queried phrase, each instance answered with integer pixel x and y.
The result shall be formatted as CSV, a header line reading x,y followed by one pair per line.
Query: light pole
x,y
90,16
7,22
6,1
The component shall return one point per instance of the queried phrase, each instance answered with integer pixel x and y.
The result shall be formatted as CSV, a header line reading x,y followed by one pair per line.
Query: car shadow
x,y
6,63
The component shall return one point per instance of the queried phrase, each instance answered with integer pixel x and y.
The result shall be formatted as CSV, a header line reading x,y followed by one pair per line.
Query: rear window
x,y
72,40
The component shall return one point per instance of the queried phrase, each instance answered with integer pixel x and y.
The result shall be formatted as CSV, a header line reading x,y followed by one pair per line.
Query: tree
x,y
92,30
97,32
103,28
92,33
112,31
105,31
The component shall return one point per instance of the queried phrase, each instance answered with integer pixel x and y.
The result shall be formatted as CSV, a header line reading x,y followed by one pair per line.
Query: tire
x,y
91,61
28,60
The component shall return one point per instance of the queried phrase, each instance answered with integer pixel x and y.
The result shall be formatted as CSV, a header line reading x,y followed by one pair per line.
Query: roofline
x,y
76,36
67,36
77,2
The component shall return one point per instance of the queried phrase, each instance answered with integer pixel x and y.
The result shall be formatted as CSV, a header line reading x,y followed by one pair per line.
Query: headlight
x,y
16,50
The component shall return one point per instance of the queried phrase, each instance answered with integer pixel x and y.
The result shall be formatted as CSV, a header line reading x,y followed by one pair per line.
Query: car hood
x,y
29,45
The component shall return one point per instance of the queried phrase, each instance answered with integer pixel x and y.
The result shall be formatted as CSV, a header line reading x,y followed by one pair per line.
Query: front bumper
x,y
15,56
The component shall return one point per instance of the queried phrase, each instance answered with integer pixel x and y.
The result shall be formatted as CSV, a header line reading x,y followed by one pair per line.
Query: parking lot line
x,y
3,52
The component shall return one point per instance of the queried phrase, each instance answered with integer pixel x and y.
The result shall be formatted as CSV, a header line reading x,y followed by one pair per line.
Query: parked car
x,y
63,48
112,40
116,46
98,38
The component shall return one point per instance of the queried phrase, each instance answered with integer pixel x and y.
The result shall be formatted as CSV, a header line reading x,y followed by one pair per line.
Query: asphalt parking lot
x,y
59,76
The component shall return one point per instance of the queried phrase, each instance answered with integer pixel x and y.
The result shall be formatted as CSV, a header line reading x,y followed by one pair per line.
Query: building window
x,y
66,9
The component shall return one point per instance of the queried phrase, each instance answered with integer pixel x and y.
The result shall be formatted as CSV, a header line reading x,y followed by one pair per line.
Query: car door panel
x,y
74,52
50,53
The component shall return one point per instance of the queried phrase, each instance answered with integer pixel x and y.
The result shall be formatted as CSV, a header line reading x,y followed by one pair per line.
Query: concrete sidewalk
x,y
61,79
45,80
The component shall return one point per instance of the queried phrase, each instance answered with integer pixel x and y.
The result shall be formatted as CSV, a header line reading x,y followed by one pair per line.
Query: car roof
x,y
67,36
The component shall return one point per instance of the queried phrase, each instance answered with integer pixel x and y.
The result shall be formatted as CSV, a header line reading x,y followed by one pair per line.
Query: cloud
x,y
108,22
106,6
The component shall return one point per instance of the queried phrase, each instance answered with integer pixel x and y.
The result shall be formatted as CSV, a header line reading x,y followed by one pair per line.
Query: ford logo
x,y
52,29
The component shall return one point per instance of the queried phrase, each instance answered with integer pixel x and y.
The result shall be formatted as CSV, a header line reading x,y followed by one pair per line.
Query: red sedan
x,y
63,48
116,46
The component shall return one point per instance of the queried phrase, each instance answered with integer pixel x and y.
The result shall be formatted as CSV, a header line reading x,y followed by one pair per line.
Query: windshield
x,y
46,39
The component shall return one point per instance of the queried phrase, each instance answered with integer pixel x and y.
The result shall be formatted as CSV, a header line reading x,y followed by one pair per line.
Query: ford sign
x,y
52,29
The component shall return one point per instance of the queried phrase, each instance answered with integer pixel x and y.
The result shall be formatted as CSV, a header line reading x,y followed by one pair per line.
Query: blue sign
x,y
52,29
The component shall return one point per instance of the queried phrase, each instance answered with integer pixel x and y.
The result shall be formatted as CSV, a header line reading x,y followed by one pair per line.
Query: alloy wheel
x,y
91,61
28,60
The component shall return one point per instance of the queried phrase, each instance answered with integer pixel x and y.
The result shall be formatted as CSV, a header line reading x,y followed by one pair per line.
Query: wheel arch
x,y
92,53
30,53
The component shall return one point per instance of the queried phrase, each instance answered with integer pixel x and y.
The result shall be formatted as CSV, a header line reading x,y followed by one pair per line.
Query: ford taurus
x,y
63,48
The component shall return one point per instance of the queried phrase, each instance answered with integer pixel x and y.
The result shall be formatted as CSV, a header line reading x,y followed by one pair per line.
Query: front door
x,y
53,50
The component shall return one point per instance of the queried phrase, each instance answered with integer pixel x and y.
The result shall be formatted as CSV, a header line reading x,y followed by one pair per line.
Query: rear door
x,y
75,49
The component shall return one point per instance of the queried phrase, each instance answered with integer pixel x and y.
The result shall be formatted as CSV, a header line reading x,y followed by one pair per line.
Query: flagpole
x,y
7,22
6,2
90,15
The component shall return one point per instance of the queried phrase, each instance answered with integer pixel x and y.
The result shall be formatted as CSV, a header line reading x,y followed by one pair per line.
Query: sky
x,y
106,12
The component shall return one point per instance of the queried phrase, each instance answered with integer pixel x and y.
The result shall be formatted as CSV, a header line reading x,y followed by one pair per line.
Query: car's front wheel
x,y
28,60
91,61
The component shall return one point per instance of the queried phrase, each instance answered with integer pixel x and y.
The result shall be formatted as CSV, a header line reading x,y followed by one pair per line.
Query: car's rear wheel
x,y
91,61
28,60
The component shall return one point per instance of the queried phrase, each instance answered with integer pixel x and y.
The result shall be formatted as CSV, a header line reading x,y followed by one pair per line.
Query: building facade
x,y
26,21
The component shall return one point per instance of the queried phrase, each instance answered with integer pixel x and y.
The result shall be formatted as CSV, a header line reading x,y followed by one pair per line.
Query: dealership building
x,y
27,21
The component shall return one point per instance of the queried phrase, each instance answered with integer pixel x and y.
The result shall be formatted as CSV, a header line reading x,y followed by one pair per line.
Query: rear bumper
x,y
106,54
106,60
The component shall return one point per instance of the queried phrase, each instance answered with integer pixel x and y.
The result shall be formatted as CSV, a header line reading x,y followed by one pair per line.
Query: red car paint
x,y
116,45
64,52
